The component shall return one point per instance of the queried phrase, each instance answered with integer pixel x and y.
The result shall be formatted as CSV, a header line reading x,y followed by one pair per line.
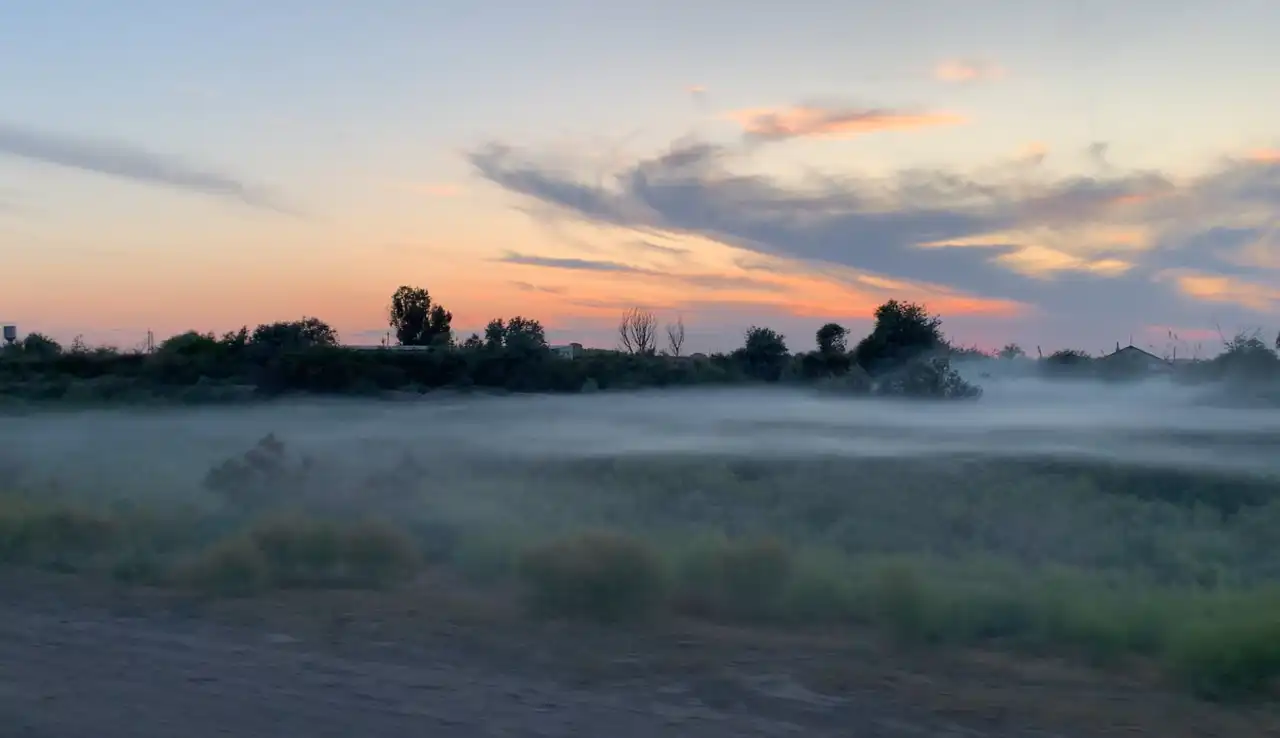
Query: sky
x,y
1056,173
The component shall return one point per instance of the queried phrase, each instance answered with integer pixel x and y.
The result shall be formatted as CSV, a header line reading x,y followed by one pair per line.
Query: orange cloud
x,y
967,70
1034,151
1040,261
816,121
1220,288
1264,156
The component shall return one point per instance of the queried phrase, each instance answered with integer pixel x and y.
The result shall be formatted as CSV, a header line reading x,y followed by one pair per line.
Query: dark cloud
x,y
530,287
707,281
879,226
120,160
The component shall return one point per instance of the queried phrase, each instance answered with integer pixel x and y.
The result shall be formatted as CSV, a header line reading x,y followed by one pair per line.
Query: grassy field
x,y
1104,563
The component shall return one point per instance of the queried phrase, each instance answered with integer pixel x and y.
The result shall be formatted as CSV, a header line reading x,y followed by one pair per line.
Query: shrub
x,y
302,552
738,579
62,537
377,554
1229,659
603,576
234,568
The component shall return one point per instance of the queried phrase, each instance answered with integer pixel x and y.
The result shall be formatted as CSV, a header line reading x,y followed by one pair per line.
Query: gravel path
x,y
106,676
104,665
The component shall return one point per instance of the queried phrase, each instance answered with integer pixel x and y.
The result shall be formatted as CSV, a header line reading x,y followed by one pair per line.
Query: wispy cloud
x,y
123,161
706,281
775,124
530,287
1095,246
648,247
967,70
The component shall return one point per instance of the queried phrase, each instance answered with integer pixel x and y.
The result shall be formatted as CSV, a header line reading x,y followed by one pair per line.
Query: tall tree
x,y
675,336
903,331
518,334
417,320
763,354
638,331
832,339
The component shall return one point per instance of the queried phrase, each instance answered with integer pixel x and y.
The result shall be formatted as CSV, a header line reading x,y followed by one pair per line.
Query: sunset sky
x,y
1061,173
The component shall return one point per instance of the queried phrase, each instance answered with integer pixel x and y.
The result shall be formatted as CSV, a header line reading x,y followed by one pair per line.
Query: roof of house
x,y
1132,350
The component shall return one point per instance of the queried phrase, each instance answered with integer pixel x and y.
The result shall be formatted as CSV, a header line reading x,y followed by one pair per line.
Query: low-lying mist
x,y
1130,519
1153,424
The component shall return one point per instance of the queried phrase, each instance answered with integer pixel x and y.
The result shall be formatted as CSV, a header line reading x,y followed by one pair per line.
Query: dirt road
x,y
73,666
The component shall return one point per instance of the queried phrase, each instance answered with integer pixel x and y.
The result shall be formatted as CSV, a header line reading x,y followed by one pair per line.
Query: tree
x,y
190,344
832,339
417,320
675,336
638,331
294,334
40,346
520,334
1011,351
763,354
495,334
903,331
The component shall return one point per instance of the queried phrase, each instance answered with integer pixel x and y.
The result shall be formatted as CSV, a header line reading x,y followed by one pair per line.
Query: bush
x,y
302,552
60,537
1229,659
737,579
603,576
232,568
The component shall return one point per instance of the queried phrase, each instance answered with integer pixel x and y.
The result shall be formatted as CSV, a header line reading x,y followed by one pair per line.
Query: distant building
x,y
1135,359
567,350
384,347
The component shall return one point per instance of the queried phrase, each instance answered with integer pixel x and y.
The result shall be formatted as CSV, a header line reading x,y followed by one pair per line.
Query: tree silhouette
x,y
417,321
638,331
519,334
903,331
1011,351
763,354
832,339
675,336
307,332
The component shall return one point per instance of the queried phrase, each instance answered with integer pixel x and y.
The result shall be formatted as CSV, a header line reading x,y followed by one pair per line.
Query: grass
x,y
1095,564
606,576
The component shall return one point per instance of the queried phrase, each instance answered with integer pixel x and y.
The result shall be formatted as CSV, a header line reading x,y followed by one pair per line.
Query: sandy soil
x,y
84,660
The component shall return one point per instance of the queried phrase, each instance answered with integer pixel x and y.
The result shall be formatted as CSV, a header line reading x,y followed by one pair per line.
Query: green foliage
x,y
231,568
1011,352
832,339
738,579
903,331
929,378
306,552
763,355
600,575
292,335
1237,656
40,346
417,320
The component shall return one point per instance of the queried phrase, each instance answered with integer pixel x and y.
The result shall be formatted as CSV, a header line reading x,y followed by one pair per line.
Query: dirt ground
x,y
93,661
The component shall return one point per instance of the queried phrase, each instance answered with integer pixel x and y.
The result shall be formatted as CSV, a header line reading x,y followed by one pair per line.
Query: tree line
x,y
905,354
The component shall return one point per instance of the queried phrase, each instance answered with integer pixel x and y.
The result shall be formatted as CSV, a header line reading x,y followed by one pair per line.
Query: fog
x,y
1152,424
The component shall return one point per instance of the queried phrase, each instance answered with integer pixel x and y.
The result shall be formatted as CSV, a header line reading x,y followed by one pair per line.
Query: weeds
x,y
604,576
